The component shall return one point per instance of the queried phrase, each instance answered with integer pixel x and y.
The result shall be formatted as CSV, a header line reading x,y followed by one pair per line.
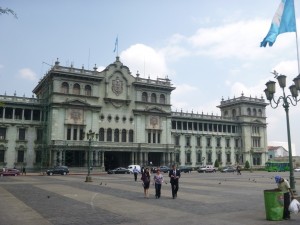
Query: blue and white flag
x,y
116,45
283,21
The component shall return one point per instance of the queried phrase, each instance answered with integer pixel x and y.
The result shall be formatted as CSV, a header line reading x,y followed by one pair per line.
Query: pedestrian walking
x,y
174,175
284,186
24,171
158,180
146,182
135,173
238,170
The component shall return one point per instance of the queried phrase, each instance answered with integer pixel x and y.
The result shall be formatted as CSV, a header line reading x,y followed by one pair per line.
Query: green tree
x,y
247,165
8,11
216,164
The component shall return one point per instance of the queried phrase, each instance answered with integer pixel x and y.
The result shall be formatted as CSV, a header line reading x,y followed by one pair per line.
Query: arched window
x,y
226,113
249,112
144,97
88,90
101,134
260,113
254,112
65,88
153,98
76,89
116,138
233,113
109,134
124,135
130,135
162,99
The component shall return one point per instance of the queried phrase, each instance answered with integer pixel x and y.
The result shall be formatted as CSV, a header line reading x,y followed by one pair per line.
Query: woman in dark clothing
x,y
146,182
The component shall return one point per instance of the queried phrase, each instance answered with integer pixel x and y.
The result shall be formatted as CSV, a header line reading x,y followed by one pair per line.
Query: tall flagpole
x,y
297,46
297,53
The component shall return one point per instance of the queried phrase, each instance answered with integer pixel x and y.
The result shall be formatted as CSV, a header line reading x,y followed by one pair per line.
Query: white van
x,y
131,167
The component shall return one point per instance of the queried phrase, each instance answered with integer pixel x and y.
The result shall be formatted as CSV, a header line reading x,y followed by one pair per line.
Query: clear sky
x,y
209,49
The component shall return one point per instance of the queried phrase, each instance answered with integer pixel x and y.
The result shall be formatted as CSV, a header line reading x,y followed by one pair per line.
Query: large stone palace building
x,y
131,121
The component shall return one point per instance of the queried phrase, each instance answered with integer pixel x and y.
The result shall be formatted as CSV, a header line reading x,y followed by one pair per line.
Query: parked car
x,y
297,169
185,169
119,170
228,169
207,169
10,172
62,170
131,167
163,169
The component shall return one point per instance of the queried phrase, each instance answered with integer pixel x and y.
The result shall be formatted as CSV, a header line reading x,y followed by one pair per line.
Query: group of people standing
x,y
158,180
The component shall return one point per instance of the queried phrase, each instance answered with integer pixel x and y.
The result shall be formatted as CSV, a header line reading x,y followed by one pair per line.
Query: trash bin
x,y
273,204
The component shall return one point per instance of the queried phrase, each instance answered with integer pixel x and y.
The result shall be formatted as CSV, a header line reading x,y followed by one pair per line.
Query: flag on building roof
x,y
283,21
116,45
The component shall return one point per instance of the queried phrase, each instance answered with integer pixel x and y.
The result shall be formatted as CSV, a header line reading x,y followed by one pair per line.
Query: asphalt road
x,y
210,199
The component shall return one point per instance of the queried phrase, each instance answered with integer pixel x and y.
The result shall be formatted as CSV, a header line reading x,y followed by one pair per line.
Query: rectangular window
x,y
228,158
2,156
69,134
149,137
199,141
2,133
199,157
173,124
184,126
188,141
27,114
22,134
177,142
81,134
75,134
188,157
38,156
209,161
177,157
218,142
208,142
158,138
227,143
154,138
236,143
219,157
20,156
39,135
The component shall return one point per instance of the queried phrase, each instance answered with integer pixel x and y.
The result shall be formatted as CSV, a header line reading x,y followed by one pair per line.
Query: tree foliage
x,y
247,165
8,11
216,164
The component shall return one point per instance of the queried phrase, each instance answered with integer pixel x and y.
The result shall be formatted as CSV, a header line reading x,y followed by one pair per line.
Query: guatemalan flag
x,y
283,21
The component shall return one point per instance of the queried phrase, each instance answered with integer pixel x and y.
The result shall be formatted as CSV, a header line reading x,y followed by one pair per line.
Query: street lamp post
x,y
287,100
90,136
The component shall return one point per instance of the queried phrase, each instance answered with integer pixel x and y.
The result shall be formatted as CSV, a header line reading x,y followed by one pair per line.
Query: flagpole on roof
x,y
116,46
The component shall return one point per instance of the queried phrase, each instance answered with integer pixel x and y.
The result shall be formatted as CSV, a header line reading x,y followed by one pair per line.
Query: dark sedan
x,y
185,169
10,172
228,169
119,170
163,169
63,170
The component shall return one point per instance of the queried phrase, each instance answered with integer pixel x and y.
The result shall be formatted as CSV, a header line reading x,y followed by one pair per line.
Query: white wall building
x,y
133,121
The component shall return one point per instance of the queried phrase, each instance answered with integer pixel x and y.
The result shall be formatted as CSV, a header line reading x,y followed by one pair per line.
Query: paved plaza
x,y
216,198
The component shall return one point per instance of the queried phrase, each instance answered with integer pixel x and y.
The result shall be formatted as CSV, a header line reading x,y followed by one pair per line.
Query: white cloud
x,y
100,68
181,94
27,74
238,39
148,61
288,68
